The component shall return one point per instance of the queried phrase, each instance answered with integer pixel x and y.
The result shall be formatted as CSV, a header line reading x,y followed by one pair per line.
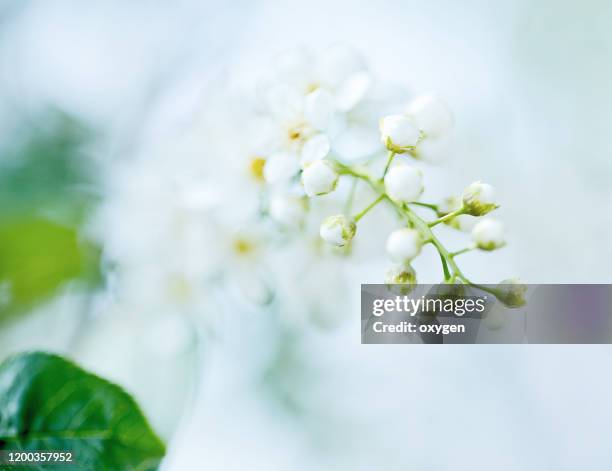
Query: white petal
x,y
319,178
319,108
280,167
432,115
352,91
315,148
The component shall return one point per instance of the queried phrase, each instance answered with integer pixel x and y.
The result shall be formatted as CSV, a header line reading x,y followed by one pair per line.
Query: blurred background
x,y
85,86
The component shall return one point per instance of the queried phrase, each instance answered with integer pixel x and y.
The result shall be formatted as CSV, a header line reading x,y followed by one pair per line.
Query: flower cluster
x,y
322,136
313,105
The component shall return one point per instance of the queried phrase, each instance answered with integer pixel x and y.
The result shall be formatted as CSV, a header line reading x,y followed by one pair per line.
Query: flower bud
x,y
337,230
287,210
404,183
511,293
462,222
431,115
488,234
479,199
319,178
403,245
398,132
403,275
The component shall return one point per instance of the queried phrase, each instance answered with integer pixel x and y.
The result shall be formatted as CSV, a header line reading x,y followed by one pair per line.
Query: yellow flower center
x,y
243,246
312,87
256,167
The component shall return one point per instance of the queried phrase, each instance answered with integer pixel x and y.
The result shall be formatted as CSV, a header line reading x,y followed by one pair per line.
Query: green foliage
x,y
46,191
45,170
49,403
36,257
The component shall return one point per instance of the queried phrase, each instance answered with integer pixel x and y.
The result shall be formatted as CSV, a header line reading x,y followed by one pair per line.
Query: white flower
x,y
319,178
488,234
306,100
287,210
404,183
337,230
319,108
400,275
316,148
431,115
403,245
398,131
479,199
280,167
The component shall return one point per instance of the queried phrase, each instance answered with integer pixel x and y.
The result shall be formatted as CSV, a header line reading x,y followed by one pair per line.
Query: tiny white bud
x,y
511,293
319,178
404,183
403,245
398,132
488,234
337,230
432,115
287,210
479,199
400,274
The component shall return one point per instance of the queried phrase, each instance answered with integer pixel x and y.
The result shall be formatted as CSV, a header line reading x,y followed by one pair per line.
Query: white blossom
x,y
511,292
398,131
319,178
337,230
479,199
404,183
280,167
488,234
400,275
403,245
431,115
315,148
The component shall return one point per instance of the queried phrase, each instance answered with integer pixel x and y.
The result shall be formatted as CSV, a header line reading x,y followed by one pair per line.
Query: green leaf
x,y
37,257
48,188
49,403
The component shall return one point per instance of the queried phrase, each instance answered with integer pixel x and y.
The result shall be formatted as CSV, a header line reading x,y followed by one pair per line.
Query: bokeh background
x,y
84,85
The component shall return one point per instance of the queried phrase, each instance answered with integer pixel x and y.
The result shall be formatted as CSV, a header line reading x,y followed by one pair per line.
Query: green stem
x,y
351,196
465,250
448,264
447,217
433,207
447,275
388,165
358,216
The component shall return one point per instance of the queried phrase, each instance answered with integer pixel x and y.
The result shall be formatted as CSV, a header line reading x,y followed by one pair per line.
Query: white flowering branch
x,y
312,99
